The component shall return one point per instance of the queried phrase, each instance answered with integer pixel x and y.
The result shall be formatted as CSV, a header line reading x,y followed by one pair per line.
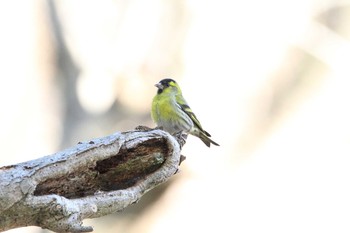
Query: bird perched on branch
x,y
171,112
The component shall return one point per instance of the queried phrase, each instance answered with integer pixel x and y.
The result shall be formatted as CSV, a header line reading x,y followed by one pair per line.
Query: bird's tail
x,y
204,136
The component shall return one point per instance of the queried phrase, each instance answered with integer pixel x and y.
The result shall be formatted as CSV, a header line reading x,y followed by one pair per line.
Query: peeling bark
x,y
90,180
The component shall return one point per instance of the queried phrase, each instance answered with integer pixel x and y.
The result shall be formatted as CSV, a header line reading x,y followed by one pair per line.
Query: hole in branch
x,y
119,171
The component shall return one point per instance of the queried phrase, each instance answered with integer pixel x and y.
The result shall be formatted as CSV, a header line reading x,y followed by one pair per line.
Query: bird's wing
x,y
184,107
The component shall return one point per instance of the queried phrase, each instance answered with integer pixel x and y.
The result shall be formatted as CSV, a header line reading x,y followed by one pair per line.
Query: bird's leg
x,y
181,138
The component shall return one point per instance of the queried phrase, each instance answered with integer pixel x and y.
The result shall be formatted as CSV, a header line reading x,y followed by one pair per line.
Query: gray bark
x,y
89,180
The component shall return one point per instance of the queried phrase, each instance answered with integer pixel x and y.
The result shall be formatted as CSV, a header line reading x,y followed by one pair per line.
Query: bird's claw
x,y
181,138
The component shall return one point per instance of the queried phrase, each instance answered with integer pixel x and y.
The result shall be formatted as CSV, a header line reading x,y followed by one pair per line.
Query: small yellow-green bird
x,y
171,112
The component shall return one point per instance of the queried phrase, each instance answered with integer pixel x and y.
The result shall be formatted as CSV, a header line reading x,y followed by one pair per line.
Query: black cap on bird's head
x,y
164,83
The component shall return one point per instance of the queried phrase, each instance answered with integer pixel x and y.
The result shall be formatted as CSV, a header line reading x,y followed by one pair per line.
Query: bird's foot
x,y
181,138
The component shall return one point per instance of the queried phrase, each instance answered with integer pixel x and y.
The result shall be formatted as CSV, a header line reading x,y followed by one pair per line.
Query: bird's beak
x,y
159,86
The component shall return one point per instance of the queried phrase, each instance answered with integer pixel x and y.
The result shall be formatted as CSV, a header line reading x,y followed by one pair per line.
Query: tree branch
x,y
90,180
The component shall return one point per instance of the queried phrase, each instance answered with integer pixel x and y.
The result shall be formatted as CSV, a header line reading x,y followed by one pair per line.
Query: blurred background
x,y
268,79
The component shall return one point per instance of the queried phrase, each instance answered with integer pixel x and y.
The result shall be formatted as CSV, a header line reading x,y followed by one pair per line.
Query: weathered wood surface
x,y
89,180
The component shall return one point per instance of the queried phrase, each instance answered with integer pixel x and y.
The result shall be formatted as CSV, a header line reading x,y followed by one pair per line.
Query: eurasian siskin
x,y
171,112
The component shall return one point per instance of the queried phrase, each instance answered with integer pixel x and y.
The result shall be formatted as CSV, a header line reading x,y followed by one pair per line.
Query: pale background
x,y
268,79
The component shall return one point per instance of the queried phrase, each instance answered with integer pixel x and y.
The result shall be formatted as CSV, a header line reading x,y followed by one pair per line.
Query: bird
x,y
171,112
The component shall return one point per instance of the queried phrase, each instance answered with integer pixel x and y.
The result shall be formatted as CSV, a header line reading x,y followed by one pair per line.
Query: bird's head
x,y
168,86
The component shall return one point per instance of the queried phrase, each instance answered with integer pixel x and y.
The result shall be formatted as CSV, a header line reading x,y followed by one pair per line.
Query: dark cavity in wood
x,y
120,171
